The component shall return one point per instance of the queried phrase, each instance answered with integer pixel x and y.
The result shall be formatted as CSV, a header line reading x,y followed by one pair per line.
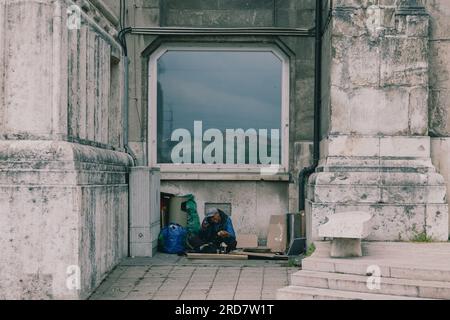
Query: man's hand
x,y
223,234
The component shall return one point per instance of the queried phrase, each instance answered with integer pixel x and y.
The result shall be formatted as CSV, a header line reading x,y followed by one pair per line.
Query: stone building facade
x,y
253,198
76,114
376,150
64,192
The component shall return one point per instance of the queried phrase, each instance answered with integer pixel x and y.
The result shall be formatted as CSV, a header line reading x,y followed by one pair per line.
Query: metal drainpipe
x,y
306,172
125,139
126,63
126,107
185,31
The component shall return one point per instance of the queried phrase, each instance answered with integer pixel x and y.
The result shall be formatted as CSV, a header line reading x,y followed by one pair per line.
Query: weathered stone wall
x,y
62,205
40,66
225,13
439,11
380,60
375,150
439,103
63,181
252,202
95,78
325,114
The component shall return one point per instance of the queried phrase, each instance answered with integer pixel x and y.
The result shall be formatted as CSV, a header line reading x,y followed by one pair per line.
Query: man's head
x,y
213,215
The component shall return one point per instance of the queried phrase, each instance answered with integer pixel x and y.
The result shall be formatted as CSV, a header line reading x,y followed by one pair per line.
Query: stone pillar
x,y
63,171
145,209
439,102
375,152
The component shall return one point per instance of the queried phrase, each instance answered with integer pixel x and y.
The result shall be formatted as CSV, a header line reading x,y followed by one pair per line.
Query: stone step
x,y
388,269
308,293
389,250
358,283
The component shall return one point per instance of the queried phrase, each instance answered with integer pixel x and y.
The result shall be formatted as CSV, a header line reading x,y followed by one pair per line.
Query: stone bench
x,y
346,229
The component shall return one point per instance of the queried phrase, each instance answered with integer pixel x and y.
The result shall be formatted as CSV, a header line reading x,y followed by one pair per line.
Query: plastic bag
x,y
173,238
193,221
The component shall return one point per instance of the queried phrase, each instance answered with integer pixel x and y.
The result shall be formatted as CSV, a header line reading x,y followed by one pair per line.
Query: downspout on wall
x,y
125,107
306,172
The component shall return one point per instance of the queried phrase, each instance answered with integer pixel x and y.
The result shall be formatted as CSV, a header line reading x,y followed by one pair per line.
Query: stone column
x,y
63,171
439,102
375,152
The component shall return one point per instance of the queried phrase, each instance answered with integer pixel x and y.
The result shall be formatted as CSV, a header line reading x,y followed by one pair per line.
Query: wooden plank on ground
x,y
257,250
271,256
215,256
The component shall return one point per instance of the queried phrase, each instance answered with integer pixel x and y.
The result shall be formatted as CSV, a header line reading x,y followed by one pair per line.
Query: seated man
x,y
217,228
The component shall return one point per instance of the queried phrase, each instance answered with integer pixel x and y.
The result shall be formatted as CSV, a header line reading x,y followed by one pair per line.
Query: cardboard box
x,y
277,235
247,241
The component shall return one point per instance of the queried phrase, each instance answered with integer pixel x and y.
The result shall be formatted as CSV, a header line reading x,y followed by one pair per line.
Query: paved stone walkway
x,y
177,278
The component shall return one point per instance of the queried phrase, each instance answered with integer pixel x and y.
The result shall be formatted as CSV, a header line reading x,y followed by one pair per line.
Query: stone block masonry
x,y
440,85
63,169
375,150
63,213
